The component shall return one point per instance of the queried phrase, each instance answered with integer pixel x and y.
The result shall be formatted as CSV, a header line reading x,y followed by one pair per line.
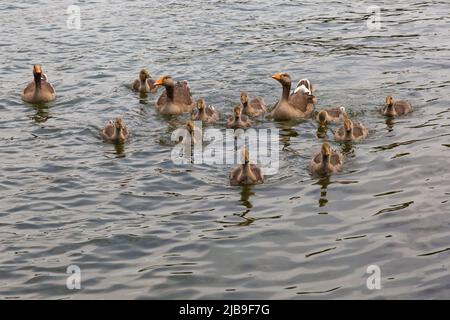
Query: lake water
x,y
139,226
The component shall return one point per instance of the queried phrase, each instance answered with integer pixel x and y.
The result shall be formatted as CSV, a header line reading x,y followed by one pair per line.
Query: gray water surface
x,y
139,226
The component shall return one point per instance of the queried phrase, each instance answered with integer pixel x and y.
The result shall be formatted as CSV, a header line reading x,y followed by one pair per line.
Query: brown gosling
x,y
246,173
239,121
327,161
396,108
115,131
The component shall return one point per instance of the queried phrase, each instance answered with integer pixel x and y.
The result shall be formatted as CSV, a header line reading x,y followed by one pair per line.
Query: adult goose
x,y
177,98
293,106
39,90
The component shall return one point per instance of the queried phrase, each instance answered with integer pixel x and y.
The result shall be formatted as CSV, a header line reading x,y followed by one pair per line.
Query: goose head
x,y
246,156
144,75
322,117
283,78
201,105
119,123
237,112
165,81
389,101
348,125
37,73
244,98
326,151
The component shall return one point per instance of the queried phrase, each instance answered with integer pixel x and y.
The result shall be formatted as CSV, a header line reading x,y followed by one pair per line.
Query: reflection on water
x,y
323,183
246,193
348,148
322,132
390,122
287,132
120,149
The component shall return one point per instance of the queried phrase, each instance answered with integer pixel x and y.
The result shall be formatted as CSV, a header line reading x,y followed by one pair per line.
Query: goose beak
x,y
277,76
159,82
37,69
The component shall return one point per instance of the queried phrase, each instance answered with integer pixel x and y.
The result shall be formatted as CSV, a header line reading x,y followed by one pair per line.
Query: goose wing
x,y
109,129
234,175
46,86
336,159
402,107
258,173
301,101
181,95
136,85
359,130
258,103
334,112
151,85
29,88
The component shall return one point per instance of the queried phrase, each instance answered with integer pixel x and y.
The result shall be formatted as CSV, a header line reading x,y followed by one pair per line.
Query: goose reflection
x,y
390,122
347,148
322,132
246,193
143,97
120,149
287,132
323,183
42,113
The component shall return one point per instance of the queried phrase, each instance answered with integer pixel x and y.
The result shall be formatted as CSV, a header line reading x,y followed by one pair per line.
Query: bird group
x,y
293,105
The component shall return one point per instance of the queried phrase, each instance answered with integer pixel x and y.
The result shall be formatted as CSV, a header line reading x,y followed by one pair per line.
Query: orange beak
x,y
37,68
277,76
159,82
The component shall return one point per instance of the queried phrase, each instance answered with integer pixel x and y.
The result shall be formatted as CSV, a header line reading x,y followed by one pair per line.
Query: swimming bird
x,y
330,115
396,108
193,133
253,108
246,173
327,161
40,90
304,86
177,98
145,83
292,106
205,113
351,131
239,120
115,131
